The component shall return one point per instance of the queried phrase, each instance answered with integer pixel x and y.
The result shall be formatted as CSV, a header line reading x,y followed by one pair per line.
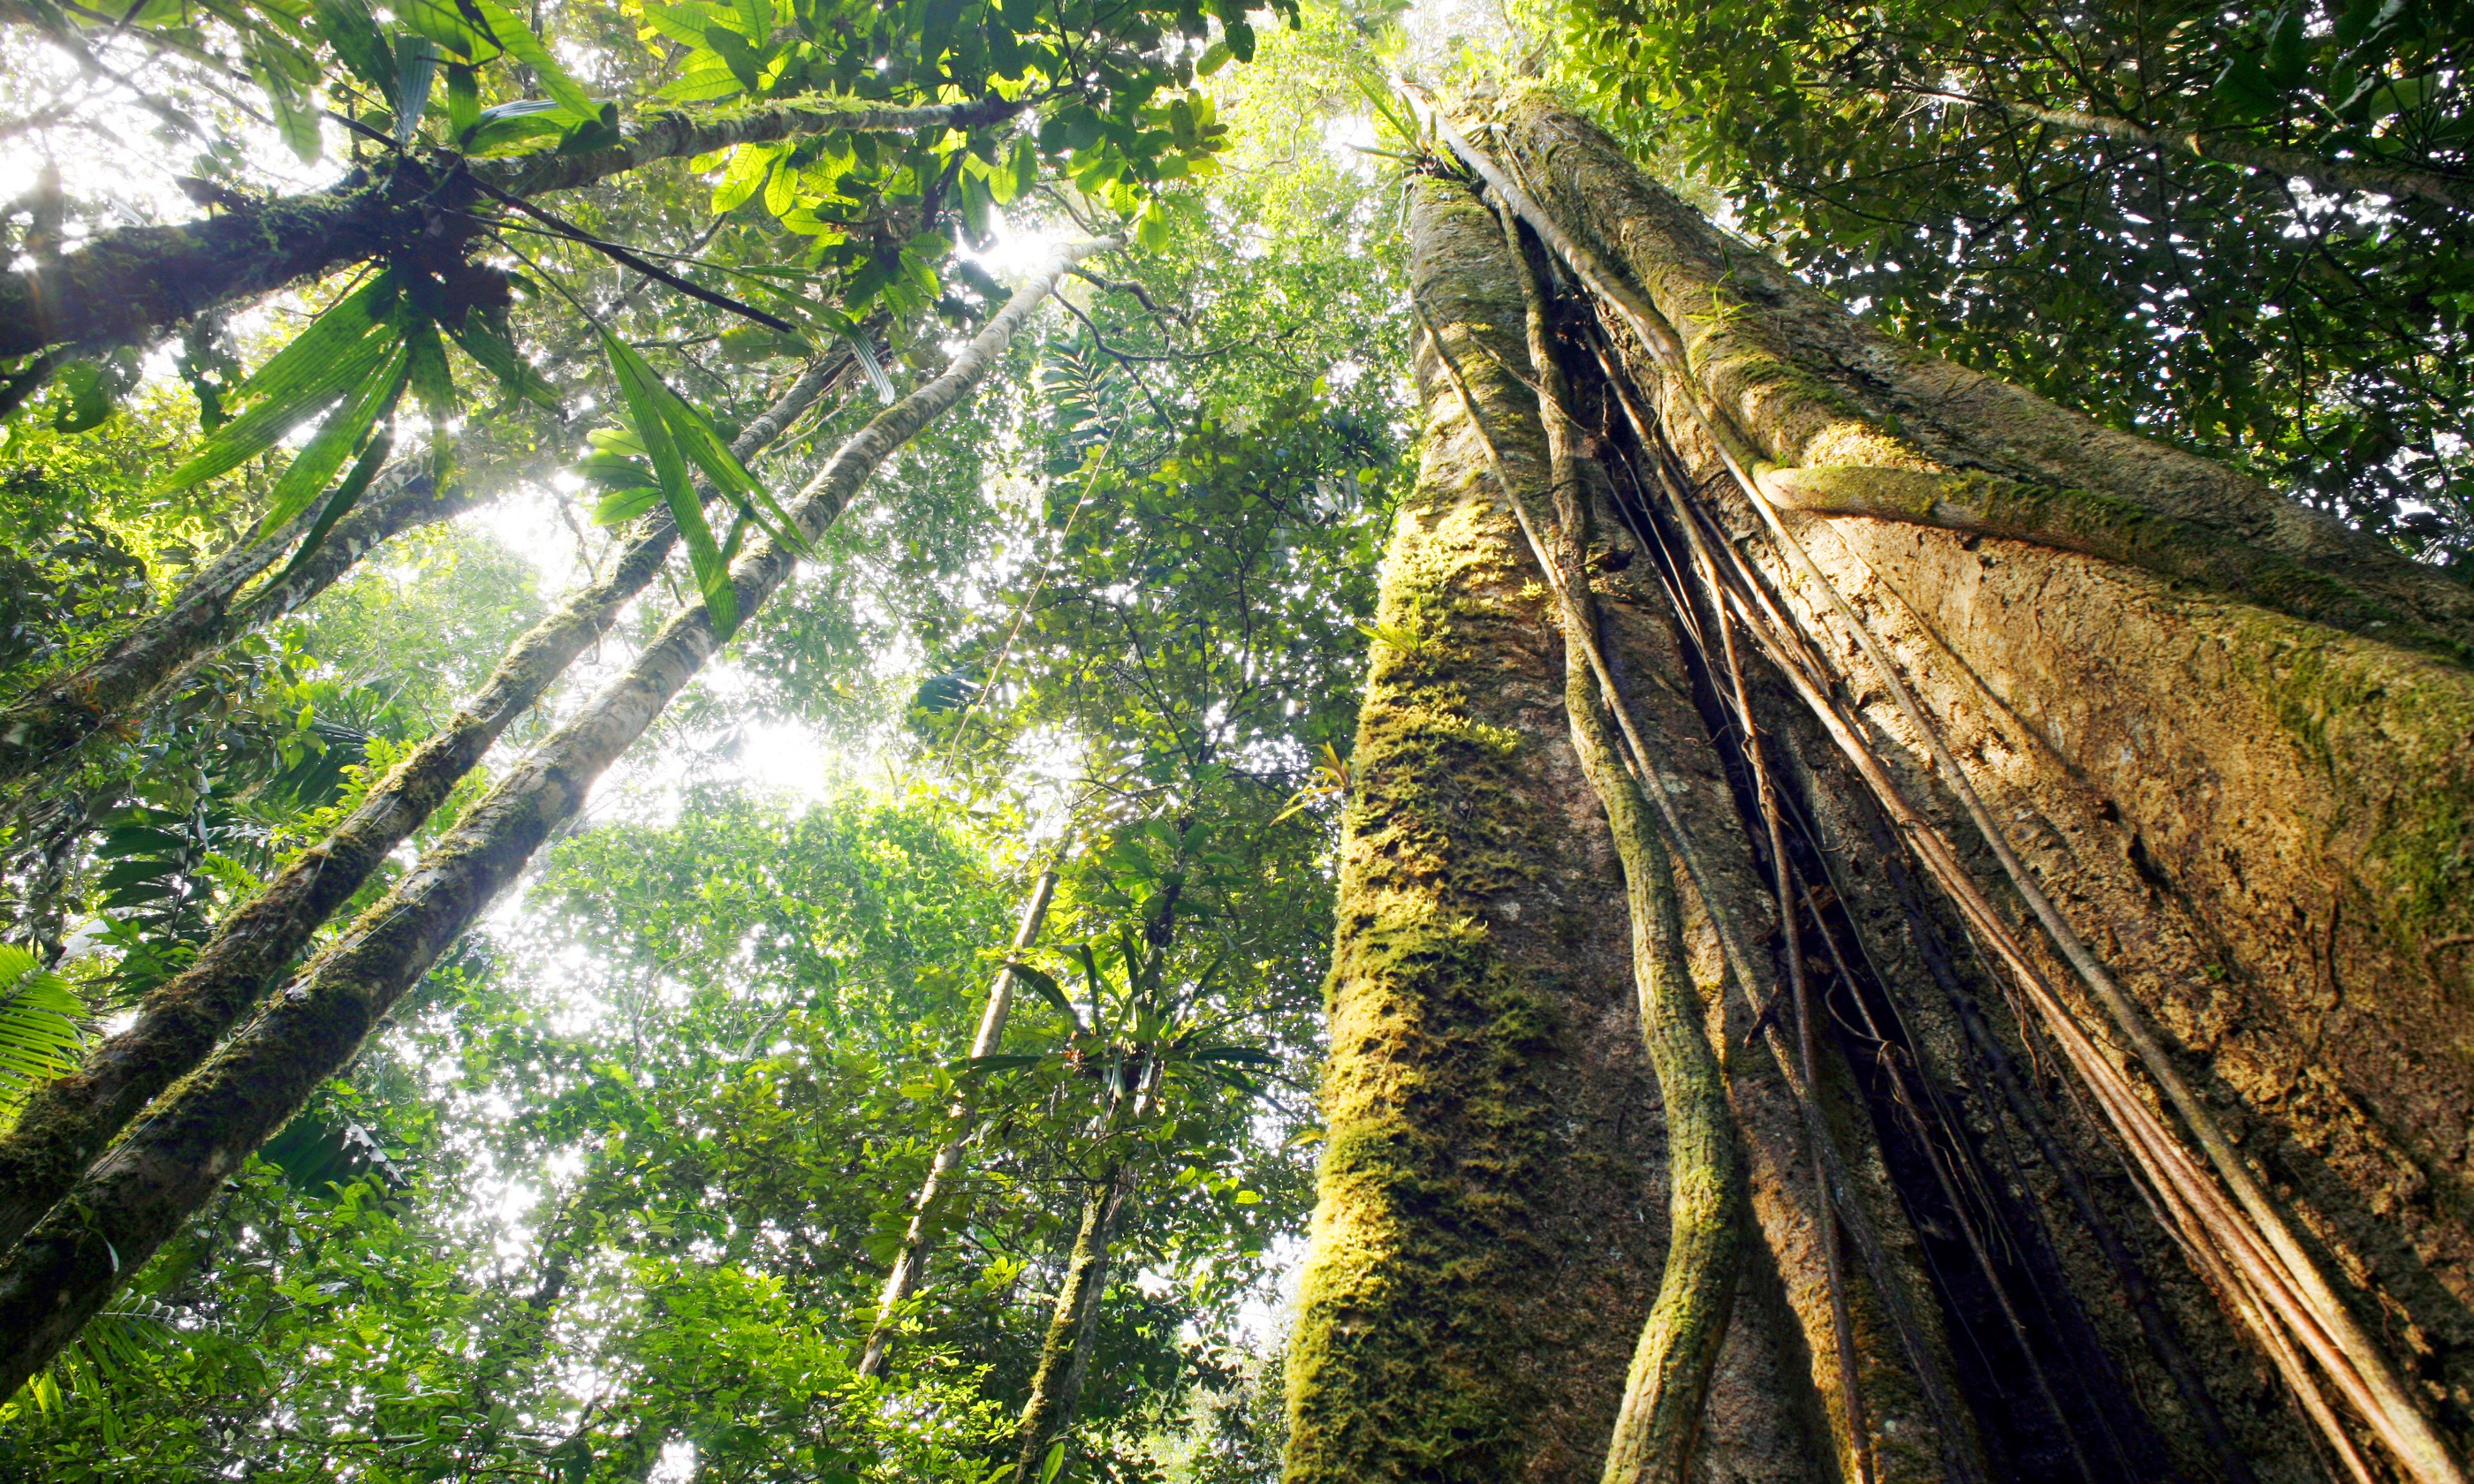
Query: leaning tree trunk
x,y
124,680
1072,1326
2227,746
138,1194
67,1121
928,1208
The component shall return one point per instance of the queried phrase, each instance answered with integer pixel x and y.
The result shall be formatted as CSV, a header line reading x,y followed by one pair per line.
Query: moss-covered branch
x,y
121,682
2107,526
1783,373
128,287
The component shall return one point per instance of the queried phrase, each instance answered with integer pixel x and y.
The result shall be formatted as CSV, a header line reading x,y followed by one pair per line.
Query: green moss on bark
x,y
1441,1123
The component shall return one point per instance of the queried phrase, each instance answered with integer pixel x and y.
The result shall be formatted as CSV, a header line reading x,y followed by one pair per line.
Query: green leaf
x,y
1054,1461
488,344
750,166
2287,58
416,61
599,133
303,380
1214,57
463,100
445,23
509,126
347,495
89,397
334,442
41,1025
356,41
524,47
426,366
644,395
624,505
1049,990
744,61
1152,228
2244,87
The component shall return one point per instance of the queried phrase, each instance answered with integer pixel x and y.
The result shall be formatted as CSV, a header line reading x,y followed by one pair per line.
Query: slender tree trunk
x,y
66,1122
926,1207
1065,1354
152,1181
2207,761
209,613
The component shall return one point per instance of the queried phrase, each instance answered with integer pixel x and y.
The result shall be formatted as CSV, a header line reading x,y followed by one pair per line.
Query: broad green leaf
x,y
621,506
356,483
522,44
644,395
598,132
416,61
704,80
463,100
355,36
89,397
426,368
305,358
745,59
498,355
750,166
303,380
334,442
1049,990
41,1025
442,21
510,128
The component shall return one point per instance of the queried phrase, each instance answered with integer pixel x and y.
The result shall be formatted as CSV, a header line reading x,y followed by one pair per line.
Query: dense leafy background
x,y
2318,336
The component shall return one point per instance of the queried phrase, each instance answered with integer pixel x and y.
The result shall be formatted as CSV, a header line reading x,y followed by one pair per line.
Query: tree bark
x,y
126,287
69,1120
2269,818
1065,1354
926,1207
2227,748
1491,1233
138,1194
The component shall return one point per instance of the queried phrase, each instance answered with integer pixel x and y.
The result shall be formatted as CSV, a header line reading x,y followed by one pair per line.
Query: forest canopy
x,y
680,697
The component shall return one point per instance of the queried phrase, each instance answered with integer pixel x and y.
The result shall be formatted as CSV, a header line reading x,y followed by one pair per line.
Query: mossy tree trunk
x,y
1072,1326
2233,741
117,686
66,1122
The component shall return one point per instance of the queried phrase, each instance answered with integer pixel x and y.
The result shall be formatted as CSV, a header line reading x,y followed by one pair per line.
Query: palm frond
x,y
42,1025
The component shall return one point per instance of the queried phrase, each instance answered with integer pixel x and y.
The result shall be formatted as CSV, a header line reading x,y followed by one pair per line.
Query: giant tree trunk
x,y
2234,742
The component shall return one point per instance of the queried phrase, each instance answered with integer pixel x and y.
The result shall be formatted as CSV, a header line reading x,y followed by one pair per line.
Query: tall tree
x,y
2060,789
